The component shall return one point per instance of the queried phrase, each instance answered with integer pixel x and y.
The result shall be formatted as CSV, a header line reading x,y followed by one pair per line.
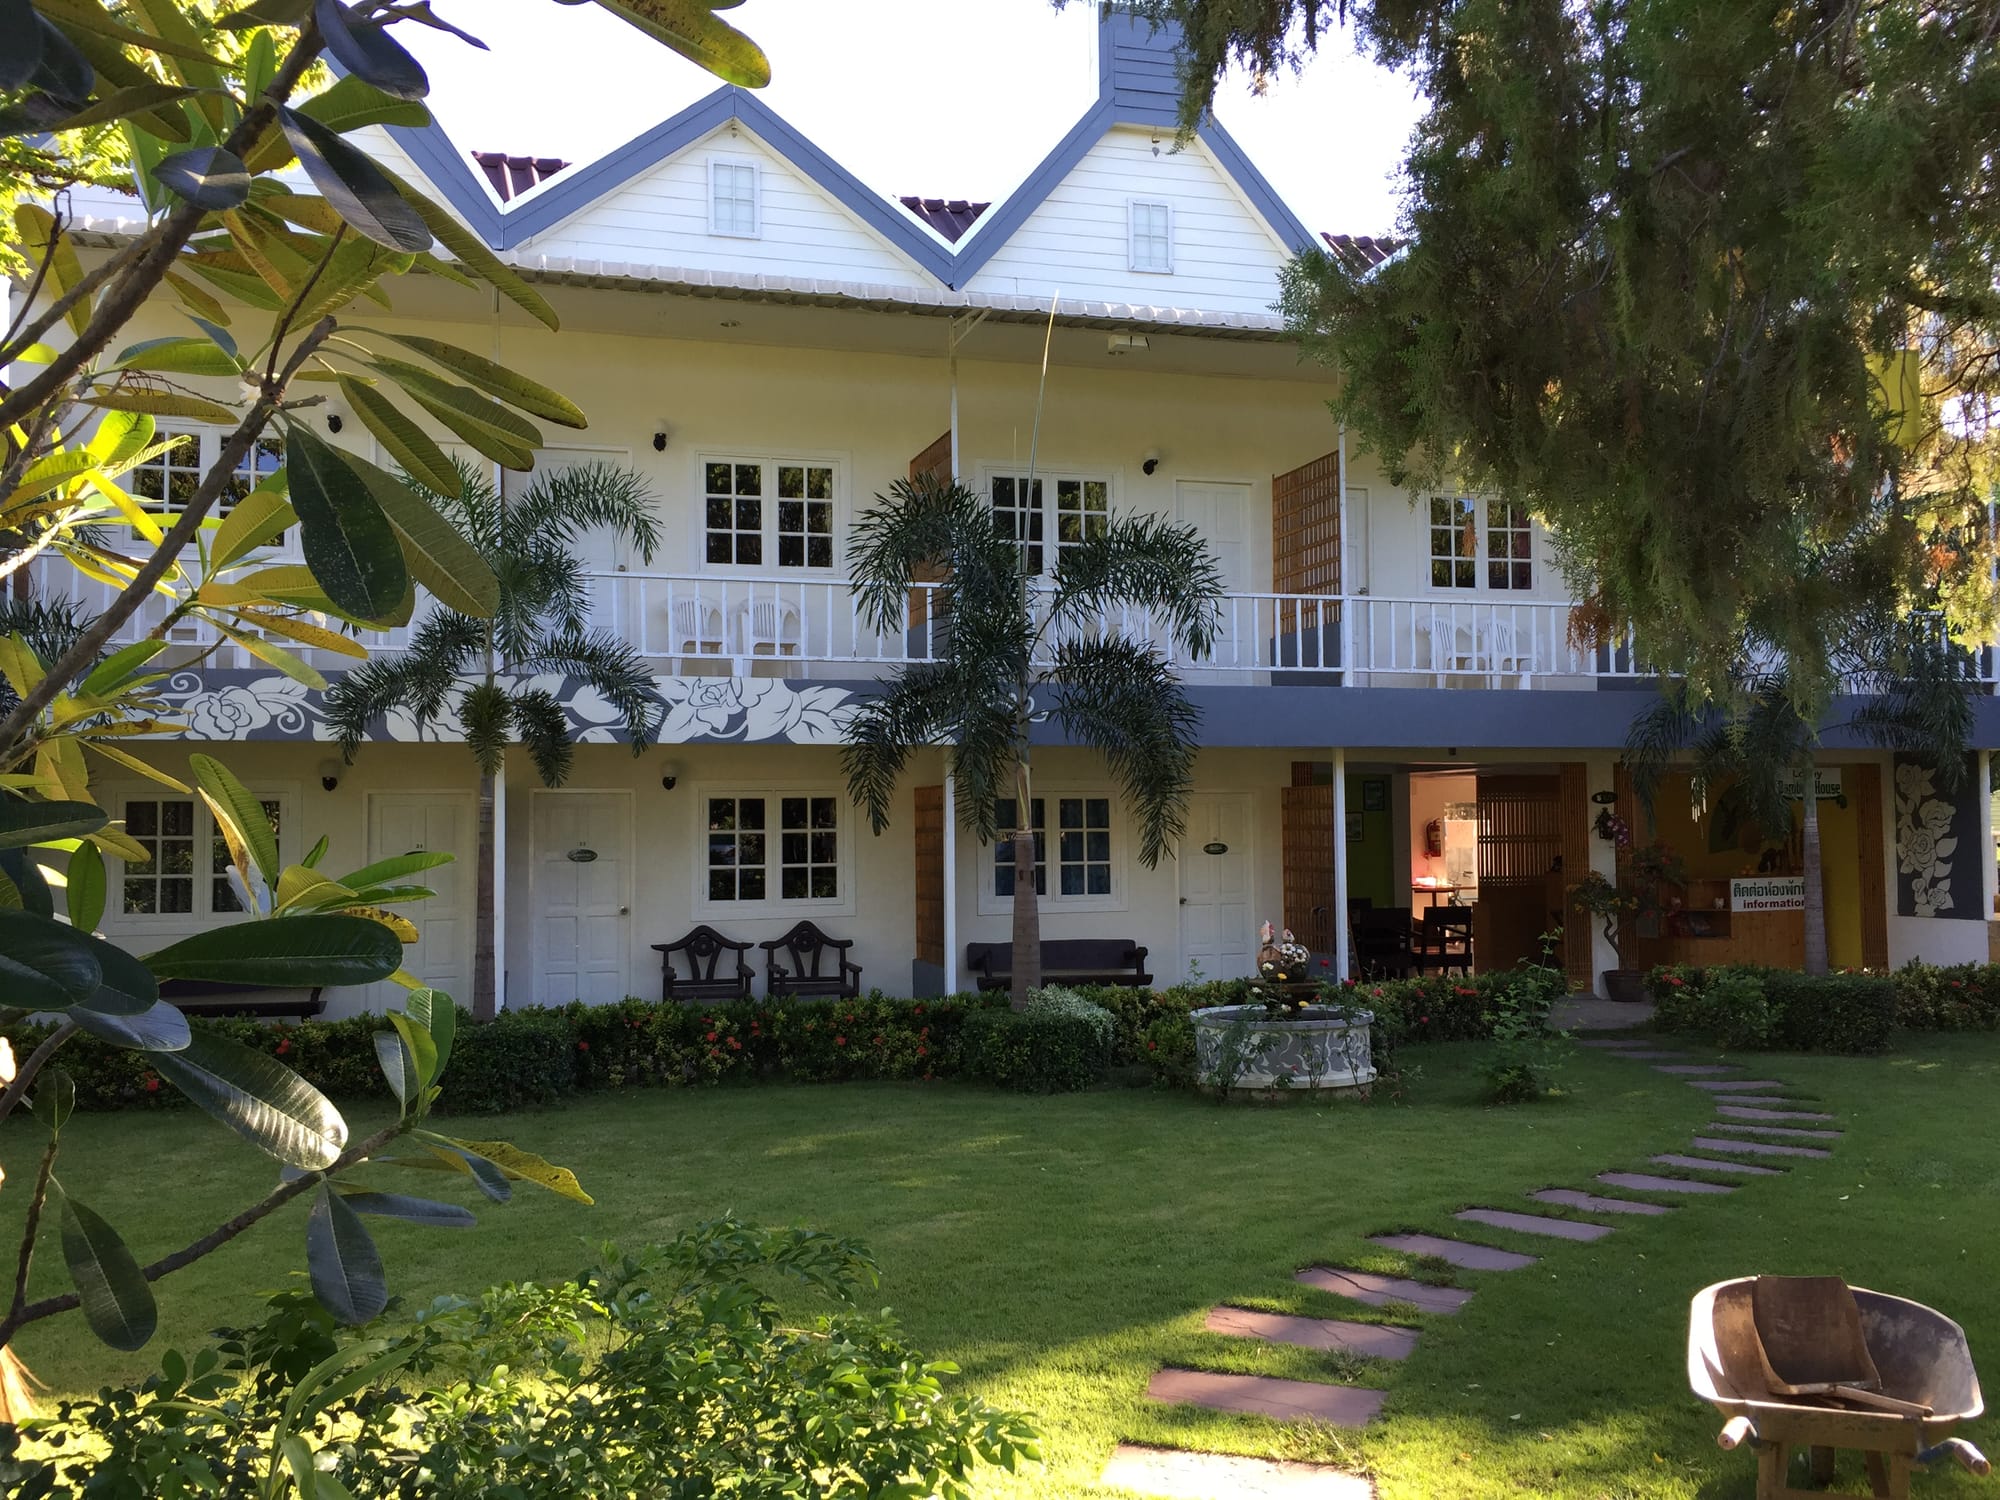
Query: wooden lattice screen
x,y
934,462
1305,528
1308,824
1520,889
930,875
1573,814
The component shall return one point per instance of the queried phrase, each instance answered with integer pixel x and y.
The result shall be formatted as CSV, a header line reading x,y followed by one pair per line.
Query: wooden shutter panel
x,y
1305,528
934,464
1308,855
930,875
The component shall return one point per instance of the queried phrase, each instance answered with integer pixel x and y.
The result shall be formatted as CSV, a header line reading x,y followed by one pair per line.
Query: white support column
x,y
950,883
1989,865
1339,863
500,890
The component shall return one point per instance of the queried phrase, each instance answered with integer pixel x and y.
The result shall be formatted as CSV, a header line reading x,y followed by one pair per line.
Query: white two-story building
x,y
1395,717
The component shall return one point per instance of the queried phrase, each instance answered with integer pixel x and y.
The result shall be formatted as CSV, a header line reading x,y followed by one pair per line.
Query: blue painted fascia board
x,y
1233,160
998,225
451,171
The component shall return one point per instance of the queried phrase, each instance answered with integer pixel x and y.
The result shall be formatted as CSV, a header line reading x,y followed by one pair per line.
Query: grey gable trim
x,y
1231,158
450,170
999,224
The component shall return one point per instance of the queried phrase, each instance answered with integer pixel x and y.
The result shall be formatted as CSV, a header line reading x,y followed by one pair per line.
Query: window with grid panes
x,y
768,513
1510,546
1007,818
1083,845
1072,509
165,482
1152,237
735,513
805,516
1454,543
732,199
774,847
170,882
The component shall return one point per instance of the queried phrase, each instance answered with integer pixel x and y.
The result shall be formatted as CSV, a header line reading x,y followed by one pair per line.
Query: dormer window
x,y
1151,228
732,198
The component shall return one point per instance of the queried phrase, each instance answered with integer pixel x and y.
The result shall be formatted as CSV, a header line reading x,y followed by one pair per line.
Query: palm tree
x,y
1914,688
541,626
1013,648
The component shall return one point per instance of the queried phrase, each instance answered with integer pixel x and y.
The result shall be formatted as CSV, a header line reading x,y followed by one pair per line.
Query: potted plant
x,y
1657,875
1603,900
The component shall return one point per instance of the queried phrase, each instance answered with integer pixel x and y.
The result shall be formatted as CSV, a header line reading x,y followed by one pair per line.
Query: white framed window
x,y
762,513
1456,524
1077,862
733,198
1150,232
166,482
186,875
774,849
1050,512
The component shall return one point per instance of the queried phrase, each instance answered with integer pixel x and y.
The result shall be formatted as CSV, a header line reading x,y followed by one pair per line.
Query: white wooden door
x,y
417,822
1221,514
1218,933
582,895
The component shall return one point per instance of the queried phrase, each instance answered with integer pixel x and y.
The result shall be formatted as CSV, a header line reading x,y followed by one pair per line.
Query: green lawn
x,y
1062,1249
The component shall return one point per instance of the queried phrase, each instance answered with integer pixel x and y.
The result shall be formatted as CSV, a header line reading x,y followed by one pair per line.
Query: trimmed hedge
x,y
1964,997
1758,1009
1061,1043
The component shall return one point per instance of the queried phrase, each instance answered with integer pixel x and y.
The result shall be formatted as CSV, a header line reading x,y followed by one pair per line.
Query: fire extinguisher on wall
x,y
1434,838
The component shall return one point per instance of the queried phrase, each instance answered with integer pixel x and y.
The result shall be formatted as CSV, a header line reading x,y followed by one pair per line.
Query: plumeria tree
x,y
1015,648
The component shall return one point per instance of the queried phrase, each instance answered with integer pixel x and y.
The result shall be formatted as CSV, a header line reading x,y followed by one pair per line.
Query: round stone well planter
x,y
1318,1051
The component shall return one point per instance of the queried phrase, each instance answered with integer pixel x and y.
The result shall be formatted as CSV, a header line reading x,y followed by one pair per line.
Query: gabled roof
x,y
1138,85
512,176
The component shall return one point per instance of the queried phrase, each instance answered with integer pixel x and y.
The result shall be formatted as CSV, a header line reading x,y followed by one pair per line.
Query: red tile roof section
x,y
1360,252
512,176
950,217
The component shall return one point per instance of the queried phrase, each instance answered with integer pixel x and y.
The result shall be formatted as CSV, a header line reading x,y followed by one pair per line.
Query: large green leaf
x,y
206,176
245,809
497,380
353,102
437,1013
23,822
159,403
407,443
36,239
399,1068
258,1097
437,556
473,253
160,1029
290,951
345,1266
45,965
117,1302
55,1099
119,668
396,867
349,544
522,1166
414,1210
83,895
179,355
20,43
370,53
126,987
507,439
690,28
354,185
257,520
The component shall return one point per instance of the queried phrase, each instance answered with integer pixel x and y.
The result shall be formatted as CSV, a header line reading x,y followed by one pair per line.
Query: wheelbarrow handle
x,y
1969,1457
1735,1432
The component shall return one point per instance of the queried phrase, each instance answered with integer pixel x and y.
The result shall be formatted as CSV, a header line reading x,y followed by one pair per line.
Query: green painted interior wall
x,y
1370,859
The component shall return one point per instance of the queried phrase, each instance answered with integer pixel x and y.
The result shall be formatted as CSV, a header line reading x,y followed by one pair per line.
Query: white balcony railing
x,y
709,624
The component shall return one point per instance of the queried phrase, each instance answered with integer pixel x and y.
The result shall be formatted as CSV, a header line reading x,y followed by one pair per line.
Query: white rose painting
x,y
1925,845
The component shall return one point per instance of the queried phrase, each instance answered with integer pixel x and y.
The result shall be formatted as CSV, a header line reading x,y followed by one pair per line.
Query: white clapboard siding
x,y
661,218
1225,258
378,144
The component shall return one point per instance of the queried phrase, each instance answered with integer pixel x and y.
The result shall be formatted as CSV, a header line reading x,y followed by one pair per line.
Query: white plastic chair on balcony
x,y
1483,645
767,627
698,628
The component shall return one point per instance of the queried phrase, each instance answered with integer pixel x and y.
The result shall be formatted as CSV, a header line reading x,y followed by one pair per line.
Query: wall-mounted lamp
x,y
1152,460
333,421
329,774
660,442
672,776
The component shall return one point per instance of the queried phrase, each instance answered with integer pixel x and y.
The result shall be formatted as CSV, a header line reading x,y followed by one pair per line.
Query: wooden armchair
x,y
819,964
708,975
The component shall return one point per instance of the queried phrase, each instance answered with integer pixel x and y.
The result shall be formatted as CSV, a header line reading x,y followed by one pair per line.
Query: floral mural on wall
x,y
237,705
1937,852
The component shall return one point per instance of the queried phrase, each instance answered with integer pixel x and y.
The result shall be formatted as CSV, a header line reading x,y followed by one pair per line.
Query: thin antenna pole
x,y
1041,390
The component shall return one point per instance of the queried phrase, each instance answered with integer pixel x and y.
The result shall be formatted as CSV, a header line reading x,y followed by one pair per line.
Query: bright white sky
x,y
944,98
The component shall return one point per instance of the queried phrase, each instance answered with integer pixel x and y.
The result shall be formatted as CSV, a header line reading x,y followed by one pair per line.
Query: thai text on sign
x,y
1768,893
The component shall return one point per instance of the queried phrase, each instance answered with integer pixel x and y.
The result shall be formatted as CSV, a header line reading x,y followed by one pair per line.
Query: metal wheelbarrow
x,y
1895,1393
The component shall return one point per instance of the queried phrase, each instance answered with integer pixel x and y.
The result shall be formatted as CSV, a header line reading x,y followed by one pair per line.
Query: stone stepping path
x,y
1267,1396
1703,1164
1175,1474
1777,1130
1376,1340
1754,1099
1592,1203
1618,1043
1651,1054
1379,1291
1758,1148
1728,1085
1695,1070
1562,1229
1458,1252
1742,1112
1647,1182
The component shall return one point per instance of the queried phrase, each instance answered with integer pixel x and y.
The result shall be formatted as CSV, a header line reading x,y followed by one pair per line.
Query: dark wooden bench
x,y
819,964
1064,961
204,997
708,978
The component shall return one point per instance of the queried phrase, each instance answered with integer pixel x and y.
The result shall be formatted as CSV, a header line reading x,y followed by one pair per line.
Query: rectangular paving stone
x,y
1652,1054
1173,1474
1755,1099
1366,1286
1612,1043
1372,1339
1702,1163
1696,1070
1458,1252
1267,1396
1562,1229
1743,1112
1757,1148
1646,1182
1592,1203
1723,1086
1785,1131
